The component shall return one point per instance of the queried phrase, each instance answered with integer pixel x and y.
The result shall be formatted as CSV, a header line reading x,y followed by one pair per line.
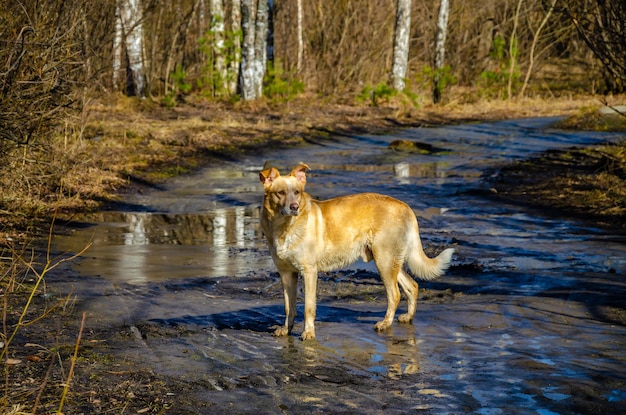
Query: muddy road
x,y
529,319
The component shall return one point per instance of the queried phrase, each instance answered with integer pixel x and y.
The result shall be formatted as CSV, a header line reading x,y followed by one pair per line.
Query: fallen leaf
x,y
13,361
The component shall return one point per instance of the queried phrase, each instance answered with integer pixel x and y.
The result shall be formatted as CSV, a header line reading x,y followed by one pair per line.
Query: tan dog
x,y
306,236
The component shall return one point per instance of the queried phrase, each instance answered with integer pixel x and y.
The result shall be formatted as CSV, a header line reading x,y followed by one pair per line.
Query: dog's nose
x,y
294,207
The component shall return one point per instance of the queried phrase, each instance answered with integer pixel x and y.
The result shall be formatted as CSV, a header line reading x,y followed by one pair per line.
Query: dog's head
x,y
284,194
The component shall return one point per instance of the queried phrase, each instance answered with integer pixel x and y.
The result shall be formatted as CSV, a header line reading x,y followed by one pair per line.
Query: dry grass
x,y
587,183
26,303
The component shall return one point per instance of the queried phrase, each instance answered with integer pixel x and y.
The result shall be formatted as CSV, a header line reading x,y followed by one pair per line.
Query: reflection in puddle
x,y
138,247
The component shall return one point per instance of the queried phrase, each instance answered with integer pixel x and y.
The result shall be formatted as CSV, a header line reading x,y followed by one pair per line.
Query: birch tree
x,y
128,42
217,30
300,37
260,46
440,48
254,50
235,45
401,44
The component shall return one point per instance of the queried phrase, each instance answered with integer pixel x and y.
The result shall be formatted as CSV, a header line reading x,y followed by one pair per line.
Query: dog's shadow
x,y
261,319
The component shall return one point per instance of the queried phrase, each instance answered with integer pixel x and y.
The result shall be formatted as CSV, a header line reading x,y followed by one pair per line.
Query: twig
x,y
44,383
73,363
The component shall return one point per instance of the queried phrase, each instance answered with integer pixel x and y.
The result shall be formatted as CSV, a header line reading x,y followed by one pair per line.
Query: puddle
x,y
528,320
140,247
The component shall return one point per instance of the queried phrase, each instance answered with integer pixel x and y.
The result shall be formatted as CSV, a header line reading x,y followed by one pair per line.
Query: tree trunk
x,y
401,44
217,28
129,39
440,48
246,81
117,47
254,53
260,46
235,53
300,38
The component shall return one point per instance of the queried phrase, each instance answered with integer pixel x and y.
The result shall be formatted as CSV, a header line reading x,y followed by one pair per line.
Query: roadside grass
x,y
27,303
591,119
585,183
588,183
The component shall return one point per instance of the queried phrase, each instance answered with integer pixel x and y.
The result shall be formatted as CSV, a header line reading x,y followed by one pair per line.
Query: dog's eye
x,y
297,192
282,193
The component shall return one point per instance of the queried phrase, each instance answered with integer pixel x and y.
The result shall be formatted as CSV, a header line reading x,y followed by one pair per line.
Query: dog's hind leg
x,y
411,290
290,285
389,274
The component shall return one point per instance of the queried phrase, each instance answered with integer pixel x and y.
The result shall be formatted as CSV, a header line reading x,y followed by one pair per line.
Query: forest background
x,y
95,94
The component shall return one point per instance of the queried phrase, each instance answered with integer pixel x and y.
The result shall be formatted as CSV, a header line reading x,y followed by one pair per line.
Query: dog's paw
x,y
281,331
405,318
308,335
381,326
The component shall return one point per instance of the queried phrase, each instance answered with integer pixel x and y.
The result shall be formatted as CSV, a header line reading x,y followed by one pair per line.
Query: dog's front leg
x,y
289,281
310,303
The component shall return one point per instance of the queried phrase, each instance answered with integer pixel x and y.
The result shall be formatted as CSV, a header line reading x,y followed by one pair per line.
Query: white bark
x,y
235,58
260,46
130,18
254,50
300,37
217,27
117,48
440,46
247,50
401,44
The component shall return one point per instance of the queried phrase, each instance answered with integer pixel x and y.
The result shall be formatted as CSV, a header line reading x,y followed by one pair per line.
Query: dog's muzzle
x,y
292,210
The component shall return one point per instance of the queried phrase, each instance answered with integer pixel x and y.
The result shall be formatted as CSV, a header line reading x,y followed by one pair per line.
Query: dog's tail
x,y
421,265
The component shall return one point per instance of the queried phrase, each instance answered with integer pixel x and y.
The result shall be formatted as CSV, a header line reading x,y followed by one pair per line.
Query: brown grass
x,y
586,183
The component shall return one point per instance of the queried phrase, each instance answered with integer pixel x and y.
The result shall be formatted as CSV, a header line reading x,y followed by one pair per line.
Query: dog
x,y
306,236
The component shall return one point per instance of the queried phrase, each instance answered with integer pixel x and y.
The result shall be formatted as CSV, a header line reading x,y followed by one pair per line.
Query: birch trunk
x,y
254,50
117,48
130,18
440,48
217,28
300,38
401,44
260,46
246,80
235,53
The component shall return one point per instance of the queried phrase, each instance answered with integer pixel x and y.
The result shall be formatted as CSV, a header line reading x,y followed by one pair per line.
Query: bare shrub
x,y
43,58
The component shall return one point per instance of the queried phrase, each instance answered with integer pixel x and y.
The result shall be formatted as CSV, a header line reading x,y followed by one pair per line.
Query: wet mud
x,y
529,319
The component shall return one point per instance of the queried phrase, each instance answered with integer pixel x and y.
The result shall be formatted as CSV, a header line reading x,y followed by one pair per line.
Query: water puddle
x,y
140,247
529,319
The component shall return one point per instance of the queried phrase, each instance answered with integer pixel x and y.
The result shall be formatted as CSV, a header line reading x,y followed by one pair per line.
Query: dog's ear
x,y
268,176
299,172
